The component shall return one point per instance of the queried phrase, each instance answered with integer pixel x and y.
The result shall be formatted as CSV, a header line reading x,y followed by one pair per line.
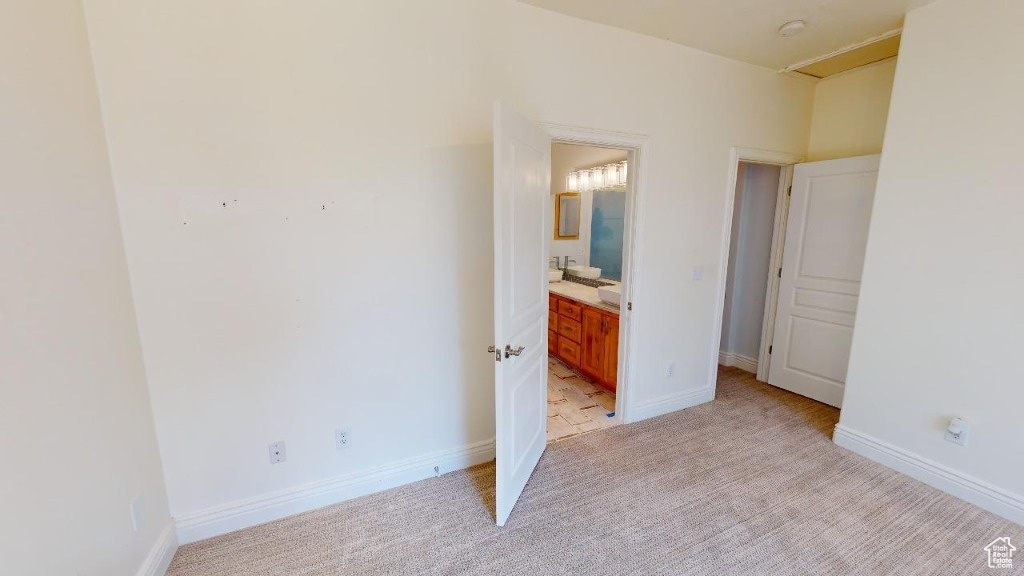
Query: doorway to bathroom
x,y
589,193
524,226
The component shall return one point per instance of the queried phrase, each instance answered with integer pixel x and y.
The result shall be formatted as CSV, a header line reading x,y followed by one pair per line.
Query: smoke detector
x,y
792,28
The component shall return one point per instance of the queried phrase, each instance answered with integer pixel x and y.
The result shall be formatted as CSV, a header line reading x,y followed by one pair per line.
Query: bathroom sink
x,y
585,272
554,275
610,294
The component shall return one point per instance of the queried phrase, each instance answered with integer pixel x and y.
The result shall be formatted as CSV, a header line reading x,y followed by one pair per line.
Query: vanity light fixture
x,y
598,178
572,182
585,181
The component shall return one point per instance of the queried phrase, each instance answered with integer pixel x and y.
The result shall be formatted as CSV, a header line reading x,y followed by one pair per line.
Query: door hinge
x,y
780,272
496,351
769,348
629,305
789,191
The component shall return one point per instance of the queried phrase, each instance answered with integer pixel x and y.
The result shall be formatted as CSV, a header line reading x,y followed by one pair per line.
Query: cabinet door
x,y
611,351
592,356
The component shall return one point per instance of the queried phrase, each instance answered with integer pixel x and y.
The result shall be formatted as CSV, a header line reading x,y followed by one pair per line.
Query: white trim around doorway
x,y
638,149
753,155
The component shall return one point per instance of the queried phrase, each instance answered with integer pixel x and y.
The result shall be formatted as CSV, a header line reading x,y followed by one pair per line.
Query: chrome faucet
x,y
565,271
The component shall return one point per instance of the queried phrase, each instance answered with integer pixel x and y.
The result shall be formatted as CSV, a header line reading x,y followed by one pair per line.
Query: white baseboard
x,y
745,363
161,554
977,492
275,505
671,403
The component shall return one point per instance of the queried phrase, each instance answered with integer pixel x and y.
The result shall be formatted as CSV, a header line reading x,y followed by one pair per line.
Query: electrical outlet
x,y
135,510
277,452
958,431
342,438
671,370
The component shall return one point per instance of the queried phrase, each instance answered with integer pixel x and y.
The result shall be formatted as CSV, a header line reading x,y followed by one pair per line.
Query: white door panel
x,y
522,174
826,236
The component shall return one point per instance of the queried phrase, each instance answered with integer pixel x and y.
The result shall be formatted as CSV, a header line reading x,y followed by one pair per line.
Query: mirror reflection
x,y
588,195
567,216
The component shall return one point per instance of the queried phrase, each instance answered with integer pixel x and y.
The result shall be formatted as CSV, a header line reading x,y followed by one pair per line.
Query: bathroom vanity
x,y
583,331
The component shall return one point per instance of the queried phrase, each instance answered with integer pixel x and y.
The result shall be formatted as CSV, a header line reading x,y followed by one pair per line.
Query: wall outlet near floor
x,y
277,452
958,431
342,438
671,370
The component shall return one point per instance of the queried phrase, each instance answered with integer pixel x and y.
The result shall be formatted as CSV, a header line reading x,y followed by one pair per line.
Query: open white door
x,y
522,176
826,235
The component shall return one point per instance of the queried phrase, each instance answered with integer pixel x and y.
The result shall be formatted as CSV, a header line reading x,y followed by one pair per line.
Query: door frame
x,y
756,156
771,294
637,147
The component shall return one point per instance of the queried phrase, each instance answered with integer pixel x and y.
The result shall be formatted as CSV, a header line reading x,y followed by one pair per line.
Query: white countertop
x,y
581,293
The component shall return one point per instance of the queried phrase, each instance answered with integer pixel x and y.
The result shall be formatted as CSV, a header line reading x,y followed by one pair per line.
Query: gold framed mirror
x,y
567,216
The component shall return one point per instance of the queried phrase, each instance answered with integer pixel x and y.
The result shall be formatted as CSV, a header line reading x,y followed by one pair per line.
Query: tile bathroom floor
x,y
575,404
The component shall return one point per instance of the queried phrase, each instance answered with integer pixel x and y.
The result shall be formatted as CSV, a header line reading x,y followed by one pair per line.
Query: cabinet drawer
x,y
571,329
571,310
569,351
552,320
552,342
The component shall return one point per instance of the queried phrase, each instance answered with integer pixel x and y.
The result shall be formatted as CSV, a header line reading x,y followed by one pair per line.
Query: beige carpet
x,y
748,484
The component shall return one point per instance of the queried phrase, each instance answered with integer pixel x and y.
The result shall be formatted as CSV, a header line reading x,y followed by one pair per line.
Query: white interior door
x,y
826,235
522,175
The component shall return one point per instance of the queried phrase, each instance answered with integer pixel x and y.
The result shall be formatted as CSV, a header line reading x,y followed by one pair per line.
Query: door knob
x,y
510,351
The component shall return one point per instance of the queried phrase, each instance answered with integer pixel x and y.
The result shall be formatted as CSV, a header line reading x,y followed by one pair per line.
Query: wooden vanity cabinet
x,y
552,325
592,359
611,352
586,338
599,357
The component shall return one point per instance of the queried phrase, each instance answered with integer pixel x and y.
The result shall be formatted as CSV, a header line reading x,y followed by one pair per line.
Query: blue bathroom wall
x,y
608,224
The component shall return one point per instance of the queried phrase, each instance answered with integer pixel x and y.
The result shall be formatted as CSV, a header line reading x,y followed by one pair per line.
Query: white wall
x,y
348,279
757,188
564,159
76,429
850,112
941,316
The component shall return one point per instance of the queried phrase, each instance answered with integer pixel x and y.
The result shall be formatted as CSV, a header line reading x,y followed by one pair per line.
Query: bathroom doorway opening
x,y
592,269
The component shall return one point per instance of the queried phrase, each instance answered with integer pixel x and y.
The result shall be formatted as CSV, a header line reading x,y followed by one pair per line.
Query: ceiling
x,y
746,30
